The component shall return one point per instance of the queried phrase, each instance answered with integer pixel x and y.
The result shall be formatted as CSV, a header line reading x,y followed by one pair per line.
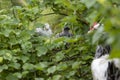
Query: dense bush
x,y
26,56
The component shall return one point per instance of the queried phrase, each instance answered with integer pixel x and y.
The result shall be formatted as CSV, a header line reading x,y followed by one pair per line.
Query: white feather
x,y
46,31
99,67
47,25
38,30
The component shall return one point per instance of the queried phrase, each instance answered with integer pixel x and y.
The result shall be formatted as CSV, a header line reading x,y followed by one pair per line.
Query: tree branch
x,y
47,15
54,13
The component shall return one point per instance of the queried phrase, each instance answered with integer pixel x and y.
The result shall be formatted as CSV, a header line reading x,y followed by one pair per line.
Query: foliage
x,y
26,56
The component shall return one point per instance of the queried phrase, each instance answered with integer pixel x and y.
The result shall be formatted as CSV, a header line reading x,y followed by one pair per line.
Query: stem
x,y
14,13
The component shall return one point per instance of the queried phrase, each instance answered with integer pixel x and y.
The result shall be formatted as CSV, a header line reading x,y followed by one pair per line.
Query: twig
x,y
14,13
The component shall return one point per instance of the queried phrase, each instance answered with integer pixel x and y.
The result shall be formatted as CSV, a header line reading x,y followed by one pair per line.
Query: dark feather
x,y
65,32
102,50
112,73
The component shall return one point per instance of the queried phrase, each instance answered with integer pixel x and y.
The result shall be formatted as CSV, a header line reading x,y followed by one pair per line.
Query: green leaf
x,y
3,67
6,32
71,19
56,77
75,65
41,65
88,3
1,59
24,73
57,40
26,45
91,18
62,66
14,65
51,69
97,36
28,66
59,56
71,40
39,79
24,36
41,51
24,58
11,77
115,53
8,56
71,73
18,75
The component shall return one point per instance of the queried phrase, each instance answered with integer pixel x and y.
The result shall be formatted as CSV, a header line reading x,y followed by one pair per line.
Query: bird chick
x,y
45,31
102,67
65,32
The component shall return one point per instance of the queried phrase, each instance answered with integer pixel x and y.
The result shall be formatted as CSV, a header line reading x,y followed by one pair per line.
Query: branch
x,y
14,13
63,14
58,12
83,21
46,15
54,13
39,16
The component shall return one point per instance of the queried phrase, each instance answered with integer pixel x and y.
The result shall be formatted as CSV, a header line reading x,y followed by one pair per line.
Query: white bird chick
x,y
46,31
46,26
38,30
